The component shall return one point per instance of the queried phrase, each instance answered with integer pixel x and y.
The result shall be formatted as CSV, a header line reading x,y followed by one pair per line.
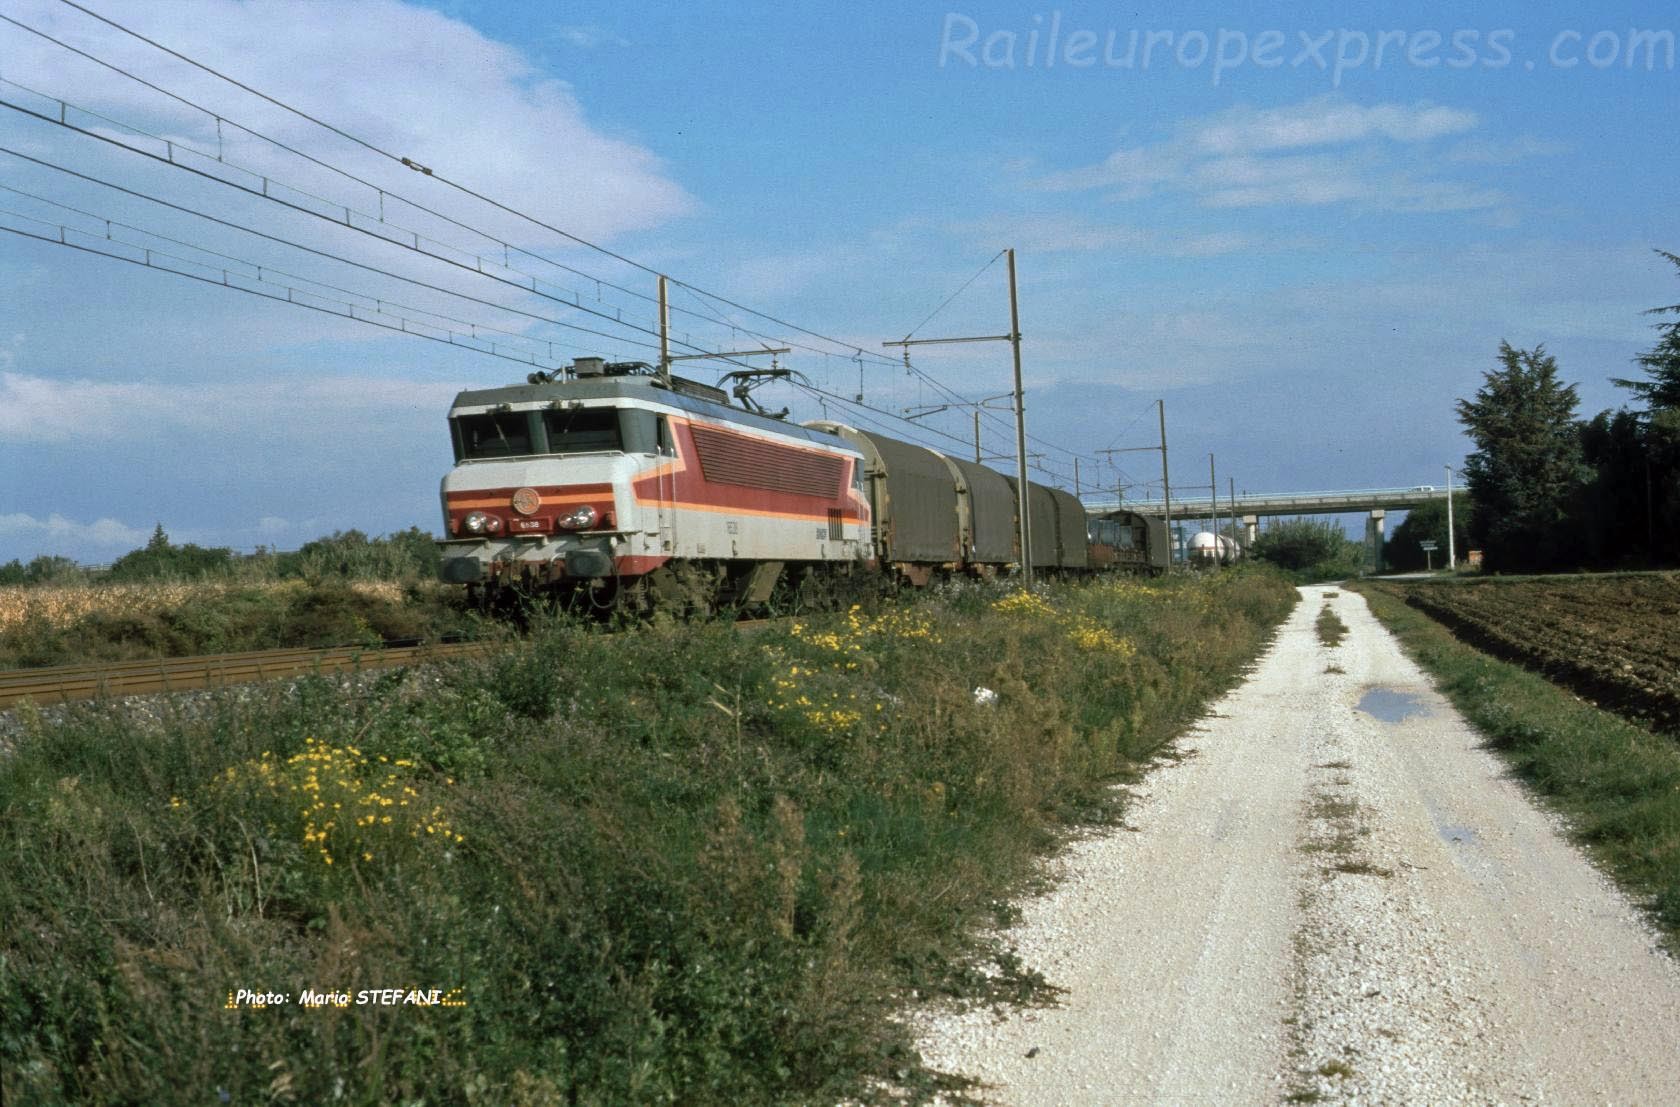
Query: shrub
x,y
160,559
407,554
1310,549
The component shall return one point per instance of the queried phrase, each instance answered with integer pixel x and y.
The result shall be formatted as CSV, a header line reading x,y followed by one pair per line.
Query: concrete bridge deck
x,y
1250,507
1259,504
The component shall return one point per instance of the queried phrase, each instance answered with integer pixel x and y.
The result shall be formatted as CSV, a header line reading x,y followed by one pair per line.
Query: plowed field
x,y
1614,640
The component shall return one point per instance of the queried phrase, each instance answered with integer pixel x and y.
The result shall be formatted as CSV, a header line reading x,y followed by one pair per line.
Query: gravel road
x,y
1335,895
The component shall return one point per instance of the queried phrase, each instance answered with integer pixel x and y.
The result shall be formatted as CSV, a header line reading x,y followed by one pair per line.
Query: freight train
x,y
1129,541
632,489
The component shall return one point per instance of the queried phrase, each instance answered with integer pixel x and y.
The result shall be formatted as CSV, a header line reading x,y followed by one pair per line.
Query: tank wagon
x,y
1209,549
614,484
1130,542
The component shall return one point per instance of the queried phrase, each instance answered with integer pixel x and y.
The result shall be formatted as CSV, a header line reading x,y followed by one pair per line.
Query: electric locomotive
x,y
629,488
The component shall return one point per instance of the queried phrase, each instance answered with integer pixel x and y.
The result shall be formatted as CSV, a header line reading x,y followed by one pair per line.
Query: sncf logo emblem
x,y
526,500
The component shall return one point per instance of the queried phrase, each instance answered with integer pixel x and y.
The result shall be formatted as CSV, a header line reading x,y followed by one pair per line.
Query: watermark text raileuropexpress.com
x,y
1048,41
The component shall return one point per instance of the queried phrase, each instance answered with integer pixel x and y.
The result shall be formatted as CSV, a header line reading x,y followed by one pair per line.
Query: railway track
x,y
66,683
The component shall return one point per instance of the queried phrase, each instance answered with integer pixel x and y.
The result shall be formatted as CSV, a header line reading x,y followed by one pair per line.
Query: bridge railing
x,y
1272,503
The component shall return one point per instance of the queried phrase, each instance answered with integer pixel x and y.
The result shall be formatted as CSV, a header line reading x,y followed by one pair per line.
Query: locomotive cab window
x,y
583,430
638,431
492,434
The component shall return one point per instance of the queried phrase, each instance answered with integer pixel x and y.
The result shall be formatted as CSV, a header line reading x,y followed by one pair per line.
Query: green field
x,y
677,864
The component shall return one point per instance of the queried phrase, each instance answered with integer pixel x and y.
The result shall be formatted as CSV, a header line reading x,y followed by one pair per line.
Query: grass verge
x,y
1331,629
1616,783
670,865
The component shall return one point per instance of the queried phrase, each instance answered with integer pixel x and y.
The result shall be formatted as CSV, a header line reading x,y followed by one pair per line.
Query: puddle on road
x,y
1457,835
1390,706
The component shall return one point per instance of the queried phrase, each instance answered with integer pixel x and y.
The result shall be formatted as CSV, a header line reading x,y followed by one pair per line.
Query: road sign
x,y
1428,544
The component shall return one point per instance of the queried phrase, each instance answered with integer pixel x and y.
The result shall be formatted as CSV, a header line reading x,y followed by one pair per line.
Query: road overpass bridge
x,y
1250,507
1279,503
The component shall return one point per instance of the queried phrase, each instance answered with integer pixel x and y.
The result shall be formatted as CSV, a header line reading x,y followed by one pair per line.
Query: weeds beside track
x,y
673,864
46,625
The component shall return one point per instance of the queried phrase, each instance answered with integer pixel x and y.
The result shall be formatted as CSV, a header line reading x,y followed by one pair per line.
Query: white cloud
x,y
1327,121
1489,151
405,78
1250,181
106,534
45,411
1045,232
775,277
588,36
1318,152
36,409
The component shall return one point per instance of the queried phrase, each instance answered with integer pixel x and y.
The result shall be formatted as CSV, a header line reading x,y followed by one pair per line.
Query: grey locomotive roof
x,y
639,387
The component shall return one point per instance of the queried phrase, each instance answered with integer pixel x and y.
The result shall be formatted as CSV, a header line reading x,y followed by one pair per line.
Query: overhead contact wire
x,y
379,301
61,241
382,190
319,252
450,183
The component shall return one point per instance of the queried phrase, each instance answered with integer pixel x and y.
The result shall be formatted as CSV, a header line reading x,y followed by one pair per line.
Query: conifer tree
x,y
1661,362
1527,472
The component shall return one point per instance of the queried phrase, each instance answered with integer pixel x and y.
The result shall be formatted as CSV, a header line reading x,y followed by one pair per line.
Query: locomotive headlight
x,y
479,523
581,518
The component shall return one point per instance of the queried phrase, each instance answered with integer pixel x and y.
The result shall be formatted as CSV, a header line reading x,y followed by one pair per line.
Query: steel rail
x,y
67,683
109,680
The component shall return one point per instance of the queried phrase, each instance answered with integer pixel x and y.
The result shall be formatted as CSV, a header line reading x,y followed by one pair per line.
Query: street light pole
x,y
1452,553
1231,506
1213,505
1166,487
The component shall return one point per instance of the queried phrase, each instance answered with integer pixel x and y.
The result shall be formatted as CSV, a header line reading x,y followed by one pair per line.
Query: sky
x,y
1305,231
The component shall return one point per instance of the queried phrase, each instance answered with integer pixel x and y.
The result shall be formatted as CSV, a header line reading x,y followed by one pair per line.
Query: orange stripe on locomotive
x,y
742,474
